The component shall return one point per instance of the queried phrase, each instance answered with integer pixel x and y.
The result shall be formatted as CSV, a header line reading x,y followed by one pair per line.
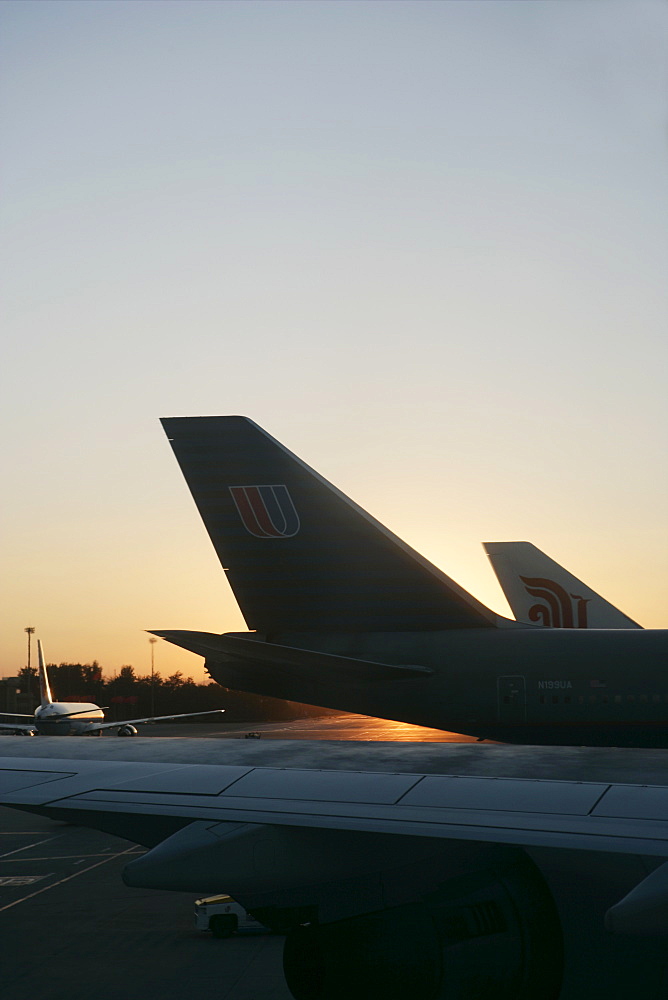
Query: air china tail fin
x,y
44,687
542,592
299,555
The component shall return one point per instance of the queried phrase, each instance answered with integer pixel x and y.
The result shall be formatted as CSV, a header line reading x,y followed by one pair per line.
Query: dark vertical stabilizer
x,y
299,555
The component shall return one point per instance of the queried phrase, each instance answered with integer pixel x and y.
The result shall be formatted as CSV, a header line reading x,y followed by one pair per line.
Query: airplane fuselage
x,y
56,719
515,685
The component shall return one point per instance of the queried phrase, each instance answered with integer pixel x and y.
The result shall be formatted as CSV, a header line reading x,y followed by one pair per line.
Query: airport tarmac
x,y
327,727
70,928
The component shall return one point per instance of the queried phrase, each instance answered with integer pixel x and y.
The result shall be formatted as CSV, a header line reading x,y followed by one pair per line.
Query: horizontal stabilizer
x,y
298,554
213,646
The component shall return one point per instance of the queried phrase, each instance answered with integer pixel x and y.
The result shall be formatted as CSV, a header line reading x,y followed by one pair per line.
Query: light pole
x,y
153,642
31,631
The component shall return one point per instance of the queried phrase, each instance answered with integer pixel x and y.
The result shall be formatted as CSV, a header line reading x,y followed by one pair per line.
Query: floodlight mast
x,y
30,629
153,642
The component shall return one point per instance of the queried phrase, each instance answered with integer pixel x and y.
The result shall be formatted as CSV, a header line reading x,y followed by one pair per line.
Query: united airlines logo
x,y
266,511
558,609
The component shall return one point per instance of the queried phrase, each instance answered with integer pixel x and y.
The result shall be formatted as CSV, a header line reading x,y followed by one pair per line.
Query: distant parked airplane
x,y
541,591
73,718
348,616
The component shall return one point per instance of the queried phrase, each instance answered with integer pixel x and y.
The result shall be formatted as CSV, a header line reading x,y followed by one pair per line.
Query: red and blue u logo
x,y
266,511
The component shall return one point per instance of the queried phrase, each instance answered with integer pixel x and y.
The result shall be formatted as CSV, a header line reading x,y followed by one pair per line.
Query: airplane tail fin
x,y
44,686
299,555
542,592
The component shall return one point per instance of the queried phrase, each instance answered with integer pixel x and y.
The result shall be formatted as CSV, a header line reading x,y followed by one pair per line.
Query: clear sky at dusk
x,y
424,244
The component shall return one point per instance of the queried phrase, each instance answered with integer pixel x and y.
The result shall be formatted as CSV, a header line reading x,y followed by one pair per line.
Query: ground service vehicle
x,y
223,916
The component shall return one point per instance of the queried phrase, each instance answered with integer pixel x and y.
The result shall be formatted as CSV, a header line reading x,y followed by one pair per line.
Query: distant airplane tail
x,y
541,592
44,686
299,555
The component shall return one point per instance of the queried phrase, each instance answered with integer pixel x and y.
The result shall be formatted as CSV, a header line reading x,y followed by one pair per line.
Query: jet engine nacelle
x,y
379,916
126,730
336,874
412,917
483,936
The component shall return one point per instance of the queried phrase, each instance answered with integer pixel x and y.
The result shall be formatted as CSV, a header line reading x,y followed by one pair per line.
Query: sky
x,y
423,244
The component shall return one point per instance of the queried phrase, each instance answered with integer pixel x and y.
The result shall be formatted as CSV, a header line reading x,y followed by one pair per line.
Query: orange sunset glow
x,y
423,245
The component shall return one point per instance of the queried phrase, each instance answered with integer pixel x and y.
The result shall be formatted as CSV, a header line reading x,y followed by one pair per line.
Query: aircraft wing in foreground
x,y
542,592
390,884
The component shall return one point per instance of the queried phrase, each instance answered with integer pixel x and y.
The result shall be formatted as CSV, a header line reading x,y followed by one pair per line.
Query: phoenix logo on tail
x,y
266,511
557,611
526,573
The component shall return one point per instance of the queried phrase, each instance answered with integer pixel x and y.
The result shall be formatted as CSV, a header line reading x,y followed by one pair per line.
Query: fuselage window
x,y
618,699
643,698
630,697
567,699
555,699
656,698
581,699
605,699
592,699
542,699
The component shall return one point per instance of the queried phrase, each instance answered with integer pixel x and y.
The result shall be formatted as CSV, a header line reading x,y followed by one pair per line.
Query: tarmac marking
x,y
22,879
28,846
66,857
53,885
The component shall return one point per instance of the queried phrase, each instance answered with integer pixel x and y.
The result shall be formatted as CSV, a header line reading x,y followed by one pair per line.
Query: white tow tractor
x,y
223,916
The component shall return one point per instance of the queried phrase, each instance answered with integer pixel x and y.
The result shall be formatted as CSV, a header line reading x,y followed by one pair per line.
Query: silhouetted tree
x,y
28,680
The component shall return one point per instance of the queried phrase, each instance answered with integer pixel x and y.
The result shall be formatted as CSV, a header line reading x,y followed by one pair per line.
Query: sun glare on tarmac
x,y
358,727
386,729
326,727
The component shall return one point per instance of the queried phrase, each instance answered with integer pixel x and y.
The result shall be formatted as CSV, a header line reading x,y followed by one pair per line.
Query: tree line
x,y
129,695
